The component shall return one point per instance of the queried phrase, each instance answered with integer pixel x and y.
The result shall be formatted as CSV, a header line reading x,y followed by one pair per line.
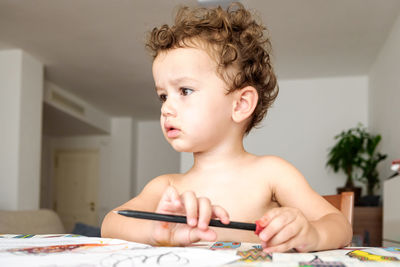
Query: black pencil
x,y
182,219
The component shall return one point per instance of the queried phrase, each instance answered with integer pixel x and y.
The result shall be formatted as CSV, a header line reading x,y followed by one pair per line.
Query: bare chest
x,y
245,200
243,203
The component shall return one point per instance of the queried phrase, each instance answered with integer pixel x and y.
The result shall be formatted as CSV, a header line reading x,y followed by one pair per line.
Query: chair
x,y
343,202
41,221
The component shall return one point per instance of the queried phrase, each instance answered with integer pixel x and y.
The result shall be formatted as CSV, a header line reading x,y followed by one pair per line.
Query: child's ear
x,y
245,102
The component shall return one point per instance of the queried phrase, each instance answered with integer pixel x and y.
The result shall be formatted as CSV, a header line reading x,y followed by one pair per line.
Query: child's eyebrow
x,y
176,81
183,79
158,88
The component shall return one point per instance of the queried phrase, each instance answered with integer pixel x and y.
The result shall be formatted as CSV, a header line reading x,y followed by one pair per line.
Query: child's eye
x,y
186,91
163,98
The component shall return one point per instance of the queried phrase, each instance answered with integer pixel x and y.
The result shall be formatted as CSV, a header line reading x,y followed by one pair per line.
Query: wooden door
x,y
76,173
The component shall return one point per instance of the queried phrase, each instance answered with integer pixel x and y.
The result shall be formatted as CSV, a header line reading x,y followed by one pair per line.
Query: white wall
x,y
301,125
10,83
21,96
155,155
134,159
116,188
384,101
30,132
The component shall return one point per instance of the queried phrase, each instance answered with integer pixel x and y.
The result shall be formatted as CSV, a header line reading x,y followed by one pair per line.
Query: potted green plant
x,y
354,153
369,159
344,157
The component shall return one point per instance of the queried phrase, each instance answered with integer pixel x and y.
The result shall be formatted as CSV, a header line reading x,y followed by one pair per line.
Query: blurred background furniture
x,y
367,226
43,221
343,202
366,221
391,212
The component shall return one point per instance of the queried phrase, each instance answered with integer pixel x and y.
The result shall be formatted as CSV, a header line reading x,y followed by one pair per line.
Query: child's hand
x,y
198,212
285,229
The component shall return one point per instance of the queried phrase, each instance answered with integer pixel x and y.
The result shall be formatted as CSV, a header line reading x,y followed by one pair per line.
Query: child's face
x,y
196,111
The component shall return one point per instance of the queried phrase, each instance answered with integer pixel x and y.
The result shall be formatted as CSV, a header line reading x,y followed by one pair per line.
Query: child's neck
x,y
219,158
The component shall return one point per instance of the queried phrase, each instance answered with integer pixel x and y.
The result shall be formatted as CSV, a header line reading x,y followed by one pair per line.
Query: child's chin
x,y
179,148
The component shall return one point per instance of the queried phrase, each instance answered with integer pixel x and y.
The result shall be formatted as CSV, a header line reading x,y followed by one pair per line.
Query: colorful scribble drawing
x,y
107,252
57,236
72,235
84,251
317,262
253,255
53,249
225,245
393,249
165,259
24,236
366,256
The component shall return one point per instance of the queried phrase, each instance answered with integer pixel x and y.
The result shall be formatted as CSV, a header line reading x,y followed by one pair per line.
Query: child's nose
x,y
168,109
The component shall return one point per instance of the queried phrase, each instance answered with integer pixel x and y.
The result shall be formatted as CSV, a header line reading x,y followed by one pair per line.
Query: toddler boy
x,y
214,78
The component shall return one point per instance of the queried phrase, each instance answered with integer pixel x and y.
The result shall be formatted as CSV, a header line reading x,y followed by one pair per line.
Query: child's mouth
x,y
172,132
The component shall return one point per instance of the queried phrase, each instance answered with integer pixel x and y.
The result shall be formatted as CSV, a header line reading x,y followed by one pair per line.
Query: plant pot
x,y
370,200
355,189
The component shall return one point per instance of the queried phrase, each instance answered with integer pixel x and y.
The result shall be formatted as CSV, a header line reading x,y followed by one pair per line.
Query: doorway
x,y
76,180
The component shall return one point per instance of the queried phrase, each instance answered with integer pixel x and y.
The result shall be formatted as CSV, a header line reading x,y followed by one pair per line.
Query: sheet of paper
x,y
69,250
84,251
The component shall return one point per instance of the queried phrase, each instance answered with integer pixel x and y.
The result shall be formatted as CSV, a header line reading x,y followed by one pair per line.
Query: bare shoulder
x,y
291,188
280,172
271,160
273,172
160,182
151,193
277,167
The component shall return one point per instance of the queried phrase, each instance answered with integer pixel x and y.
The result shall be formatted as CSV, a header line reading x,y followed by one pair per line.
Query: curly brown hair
x,y
234,39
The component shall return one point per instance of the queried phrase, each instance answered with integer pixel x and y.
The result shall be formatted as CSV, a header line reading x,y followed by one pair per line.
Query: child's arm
x,y
306,221
117,226
159,197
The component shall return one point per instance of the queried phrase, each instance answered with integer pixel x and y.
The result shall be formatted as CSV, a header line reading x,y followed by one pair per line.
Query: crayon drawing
x,y
253,255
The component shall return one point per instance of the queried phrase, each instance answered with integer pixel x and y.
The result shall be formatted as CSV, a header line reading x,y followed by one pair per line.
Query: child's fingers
x,y
271,230
205,212
197,234
268,217
271,214
279,220
221,213
288,232
264,244
169,201
190,202
188,235
279,248
172,195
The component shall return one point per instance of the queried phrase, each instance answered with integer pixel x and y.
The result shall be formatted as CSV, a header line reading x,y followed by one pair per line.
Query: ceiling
x,y
95,48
